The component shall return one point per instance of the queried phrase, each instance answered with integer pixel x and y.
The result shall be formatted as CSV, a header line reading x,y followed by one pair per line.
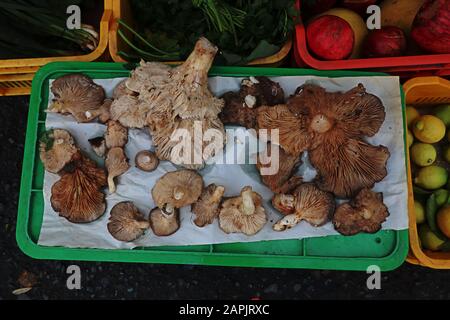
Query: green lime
x,y
443,113
423,154
420,212
431,178
441,197
428,239
411,115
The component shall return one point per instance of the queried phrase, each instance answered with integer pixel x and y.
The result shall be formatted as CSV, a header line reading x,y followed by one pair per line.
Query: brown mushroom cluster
x,y
77,195
170,100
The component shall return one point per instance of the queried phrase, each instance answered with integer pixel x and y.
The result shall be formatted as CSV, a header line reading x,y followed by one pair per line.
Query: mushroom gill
x,y
116,163
206,209
126,223
56,149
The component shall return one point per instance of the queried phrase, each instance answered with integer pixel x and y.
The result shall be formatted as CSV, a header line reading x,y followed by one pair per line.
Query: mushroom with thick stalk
x,y
116,135
78,95
241,107
126,223
56,149
177,188
116,164
98,145
77,195
146,161
165,221
365,213
206,209
332,126
307,203
243,214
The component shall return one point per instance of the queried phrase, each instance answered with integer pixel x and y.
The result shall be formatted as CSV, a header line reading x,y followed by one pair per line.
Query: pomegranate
x,y
431,27
386,42
330,37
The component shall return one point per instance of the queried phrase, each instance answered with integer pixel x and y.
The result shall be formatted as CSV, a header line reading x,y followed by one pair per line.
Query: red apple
x,y
359,6
330,37
431,27
386,42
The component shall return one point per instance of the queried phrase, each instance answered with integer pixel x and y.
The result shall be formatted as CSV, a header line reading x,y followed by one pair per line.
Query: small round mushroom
x,y
116,135
365,213
76,94
177,188
116,164
243,214
164,221
98,145
56,149
126,223
146,161
206,209
307,203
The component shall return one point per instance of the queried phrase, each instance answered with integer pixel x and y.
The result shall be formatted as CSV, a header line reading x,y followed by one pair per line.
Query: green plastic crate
x,y
386,249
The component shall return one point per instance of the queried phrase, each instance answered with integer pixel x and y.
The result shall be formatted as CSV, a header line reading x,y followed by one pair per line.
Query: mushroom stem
x,y
111,184
200,61
285,203
321,123
287,222
217,194
142,224
167,210
247,206
178,193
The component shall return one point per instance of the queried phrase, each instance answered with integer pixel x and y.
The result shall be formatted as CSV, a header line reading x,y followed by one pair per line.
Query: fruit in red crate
x,y
330,38
431,28
359,6
400,13
385,42
313,7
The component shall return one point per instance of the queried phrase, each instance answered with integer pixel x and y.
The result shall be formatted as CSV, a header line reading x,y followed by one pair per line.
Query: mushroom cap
x,y
146,161
284,180
116,164
243,214
365,213
148,76
56,149
76,94
177,188
126,223
206,209
164,222
116,135
77,196
99,146
130,111
121,89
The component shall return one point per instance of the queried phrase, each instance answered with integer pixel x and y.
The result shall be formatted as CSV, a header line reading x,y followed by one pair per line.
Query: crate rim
x,y
32,249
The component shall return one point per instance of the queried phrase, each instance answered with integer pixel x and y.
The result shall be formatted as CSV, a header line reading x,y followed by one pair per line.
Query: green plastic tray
x,y
386,249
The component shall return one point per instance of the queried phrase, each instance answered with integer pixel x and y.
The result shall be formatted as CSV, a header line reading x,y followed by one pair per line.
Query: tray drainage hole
x,y
378,240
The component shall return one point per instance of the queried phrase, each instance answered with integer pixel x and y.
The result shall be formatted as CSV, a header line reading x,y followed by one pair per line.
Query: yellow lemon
x,y
409,138
419,211
429,239
431,177
411,115
423,154
429,129
443,220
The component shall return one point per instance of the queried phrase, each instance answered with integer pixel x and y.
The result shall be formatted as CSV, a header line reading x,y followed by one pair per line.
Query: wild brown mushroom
x,y
243,214
98,145
102,114
365,213
126,223
284,180
146,161
177,188
307,203
170,99
241,107
164,221
116,135
77,195
56,149
332,126
121,90
116,164
78,95
206,209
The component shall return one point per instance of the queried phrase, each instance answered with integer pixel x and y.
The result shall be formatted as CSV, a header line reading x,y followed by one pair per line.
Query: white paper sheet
x,y
135,185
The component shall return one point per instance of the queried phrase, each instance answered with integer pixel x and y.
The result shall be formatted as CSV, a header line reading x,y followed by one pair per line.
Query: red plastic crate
x,y
431,64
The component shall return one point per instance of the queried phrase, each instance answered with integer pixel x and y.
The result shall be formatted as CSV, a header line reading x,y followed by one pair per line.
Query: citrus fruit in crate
x,y
429,129
423,154
443,220
419,211
431,177
411,115
429,239
443,113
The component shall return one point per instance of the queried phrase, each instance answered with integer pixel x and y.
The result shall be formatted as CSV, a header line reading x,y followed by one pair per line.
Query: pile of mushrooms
x,y
77,195
166,100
